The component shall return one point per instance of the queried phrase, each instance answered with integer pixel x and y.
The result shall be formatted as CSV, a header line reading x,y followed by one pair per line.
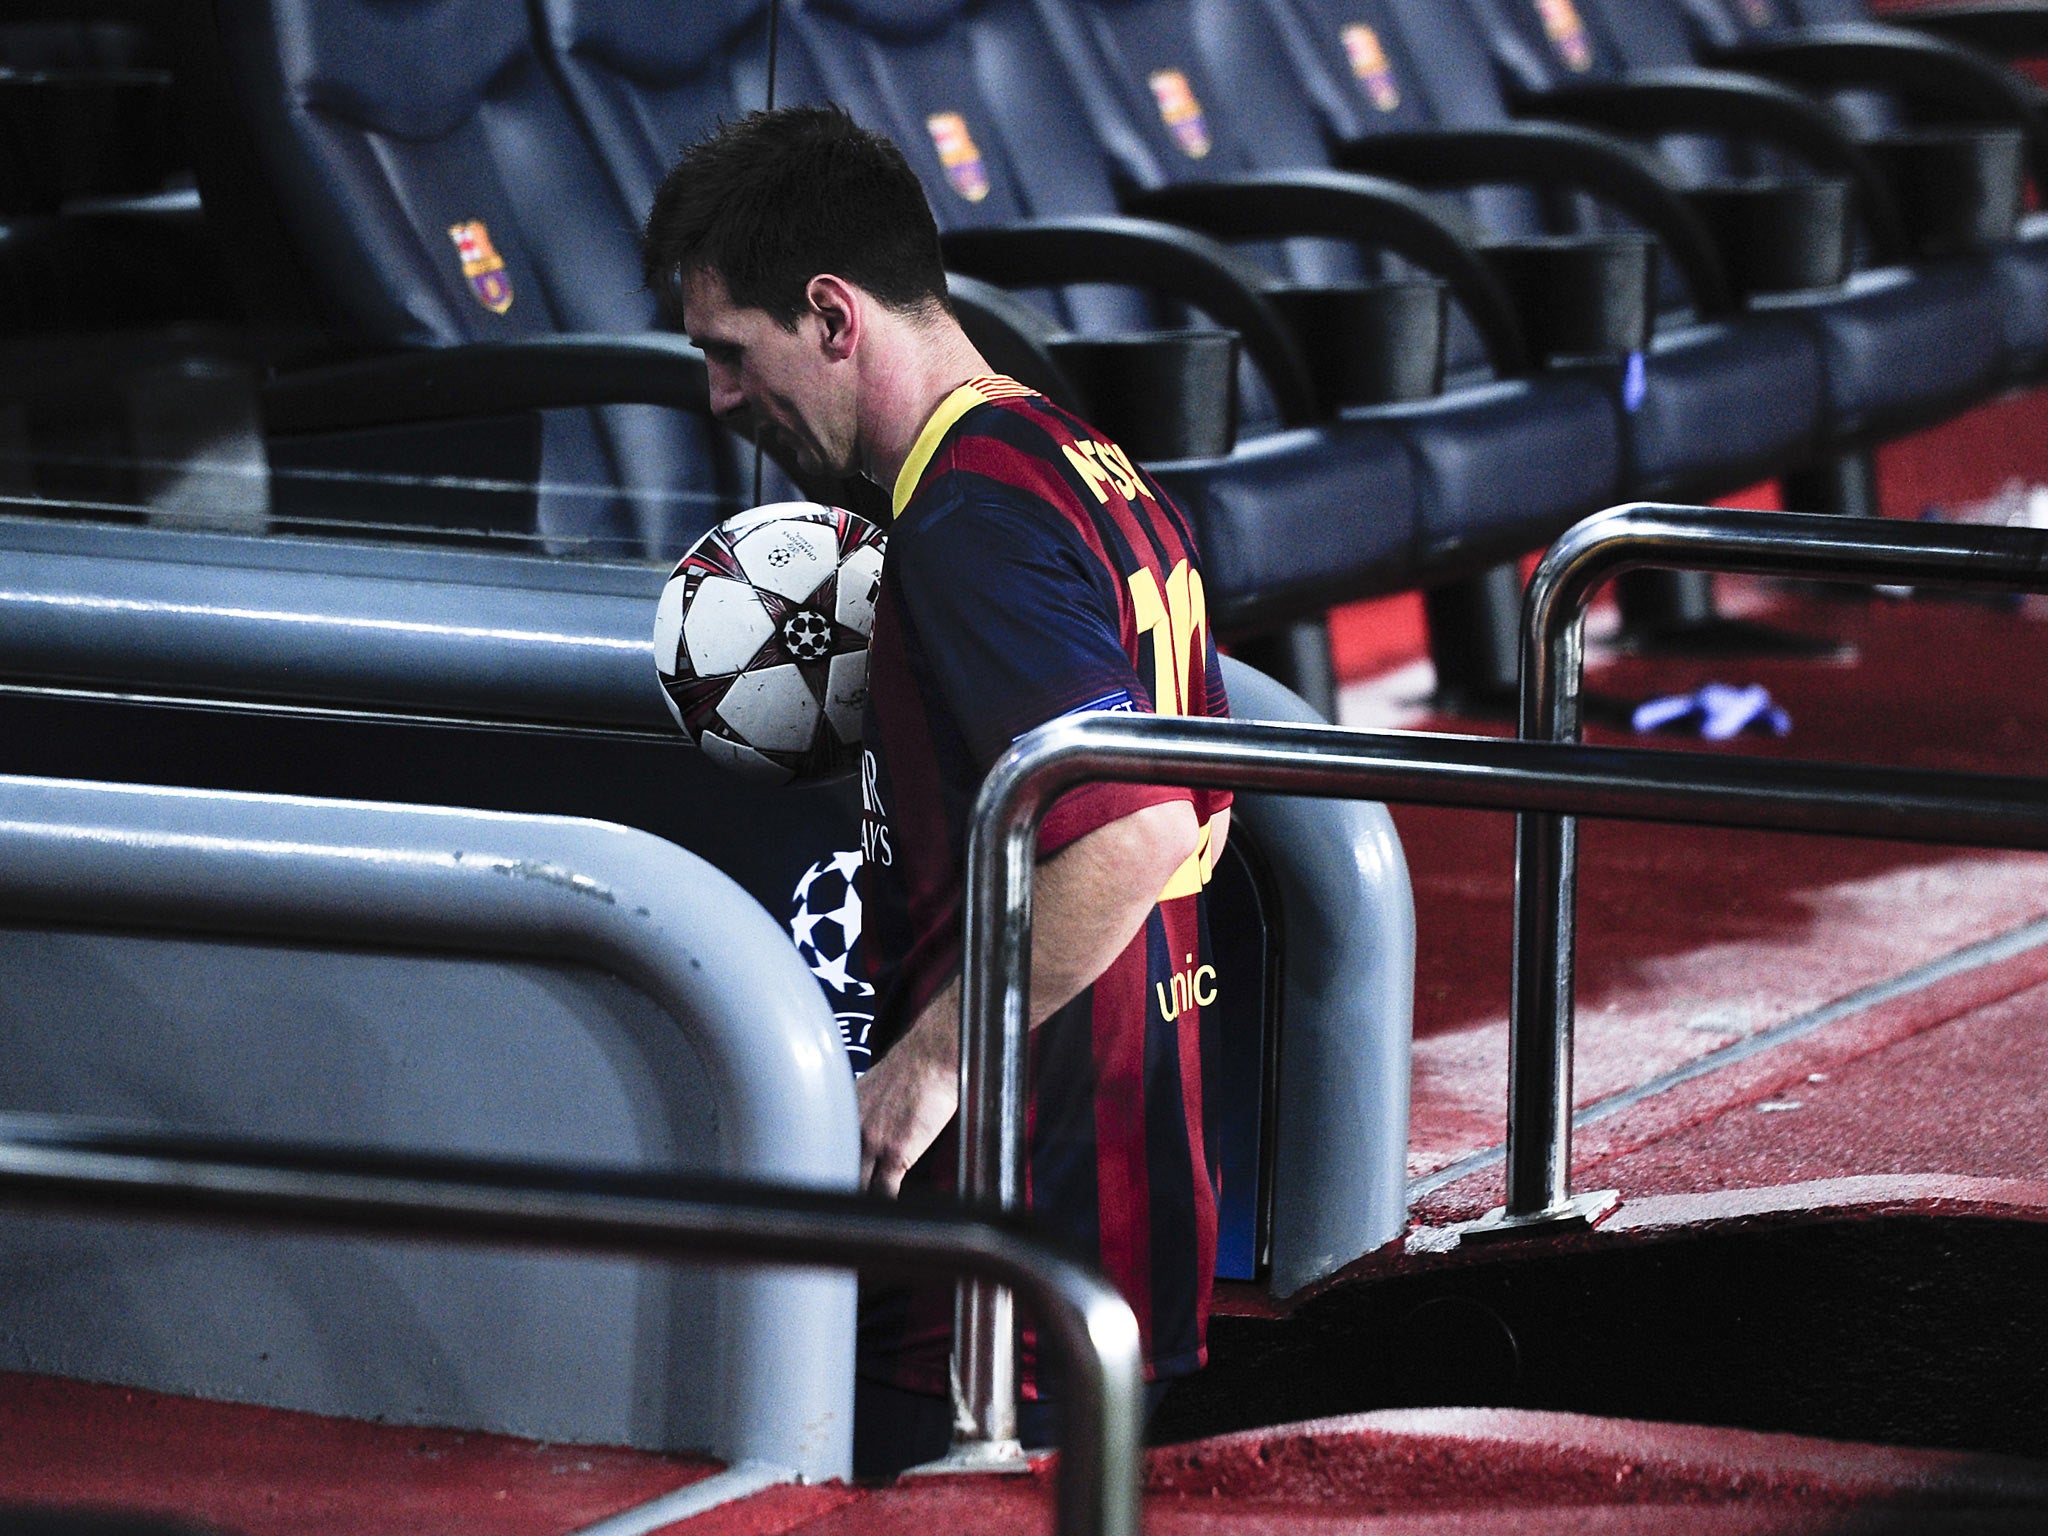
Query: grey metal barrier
x,y
1472,772
603,1212
329,628
778,1102
1633,537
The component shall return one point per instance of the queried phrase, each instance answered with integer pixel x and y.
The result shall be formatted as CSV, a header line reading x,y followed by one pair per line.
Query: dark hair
x,y
774,199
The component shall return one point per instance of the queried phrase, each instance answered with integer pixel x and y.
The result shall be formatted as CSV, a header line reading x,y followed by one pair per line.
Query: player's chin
x,y
796,458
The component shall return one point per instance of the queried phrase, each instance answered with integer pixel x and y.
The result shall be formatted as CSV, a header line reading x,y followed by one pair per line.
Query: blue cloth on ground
x,y
1718,710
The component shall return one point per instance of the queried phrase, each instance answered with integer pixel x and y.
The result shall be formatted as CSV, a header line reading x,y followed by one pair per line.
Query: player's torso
x,y
919,774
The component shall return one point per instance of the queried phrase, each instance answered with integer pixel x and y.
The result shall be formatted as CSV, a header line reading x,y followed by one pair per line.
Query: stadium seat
x,y
85,34
1903,345
1885,79
82,132
2002,29
1724,399
1301,513
1499,466
100,234
401,184
1716,399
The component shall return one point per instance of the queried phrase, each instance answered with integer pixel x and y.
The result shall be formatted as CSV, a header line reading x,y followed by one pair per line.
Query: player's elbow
x,y
1160,839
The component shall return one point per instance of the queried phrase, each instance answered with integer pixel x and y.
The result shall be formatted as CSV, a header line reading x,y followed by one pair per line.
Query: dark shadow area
x,y
1900,1330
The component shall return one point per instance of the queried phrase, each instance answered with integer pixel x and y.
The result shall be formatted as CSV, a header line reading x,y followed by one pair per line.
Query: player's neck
x,y
918,363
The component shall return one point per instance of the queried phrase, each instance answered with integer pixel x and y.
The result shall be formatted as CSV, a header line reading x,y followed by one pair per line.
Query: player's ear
x,y
836,304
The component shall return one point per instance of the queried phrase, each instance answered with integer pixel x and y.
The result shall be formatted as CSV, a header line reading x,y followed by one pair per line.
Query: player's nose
x,y
728,400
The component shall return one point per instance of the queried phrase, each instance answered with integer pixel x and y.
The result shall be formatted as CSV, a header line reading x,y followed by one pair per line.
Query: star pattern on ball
x,y
801,925
847,915
808,635
836,976
760,636
825,935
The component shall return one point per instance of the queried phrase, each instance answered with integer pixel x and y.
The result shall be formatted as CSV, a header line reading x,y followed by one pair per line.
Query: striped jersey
x,y
1034,571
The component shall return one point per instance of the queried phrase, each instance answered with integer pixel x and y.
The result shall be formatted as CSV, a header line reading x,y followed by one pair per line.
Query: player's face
x,y
781,387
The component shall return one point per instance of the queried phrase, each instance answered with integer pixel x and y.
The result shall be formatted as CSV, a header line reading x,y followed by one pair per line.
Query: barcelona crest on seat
x,y
1369,63
1181,112
482,265
959,154
1566,30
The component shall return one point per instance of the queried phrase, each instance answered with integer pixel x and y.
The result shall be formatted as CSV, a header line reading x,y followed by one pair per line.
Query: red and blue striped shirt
x,y
1034,571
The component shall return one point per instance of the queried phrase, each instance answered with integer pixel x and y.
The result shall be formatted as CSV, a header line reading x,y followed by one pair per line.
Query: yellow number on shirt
x,y
1177,621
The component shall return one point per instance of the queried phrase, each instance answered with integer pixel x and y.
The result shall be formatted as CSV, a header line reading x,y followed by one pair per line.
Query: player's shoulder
x,y
994,444
1020,439
1004,419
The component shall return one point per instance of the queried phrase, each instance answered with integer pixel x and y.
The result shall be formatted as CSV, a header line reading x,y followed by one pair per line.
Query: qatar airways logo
x,y
874,816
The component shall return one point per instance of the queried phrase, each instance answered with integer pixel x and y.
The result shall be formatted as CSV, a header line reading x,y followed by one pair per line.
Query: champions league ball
x,y
761,640
824,922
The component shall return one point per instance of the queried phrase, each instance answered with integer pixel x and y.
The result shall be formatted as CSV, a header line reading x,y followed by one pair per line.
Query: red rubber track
x,y
264,1470
1692,939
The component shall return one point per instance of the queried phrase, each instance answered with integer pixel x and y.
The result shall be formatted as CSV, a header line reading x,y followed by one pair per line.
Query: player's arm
x,y
1089,901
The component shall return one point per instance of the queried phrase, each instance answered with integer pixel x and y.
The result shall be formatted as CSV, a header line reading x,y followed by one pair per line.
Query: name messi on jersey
x,y
1104,467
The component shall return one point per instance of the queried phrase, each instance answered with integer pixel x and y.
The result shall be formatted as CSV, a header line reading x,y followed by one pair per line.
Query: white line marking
x,y
740,1482
1969,958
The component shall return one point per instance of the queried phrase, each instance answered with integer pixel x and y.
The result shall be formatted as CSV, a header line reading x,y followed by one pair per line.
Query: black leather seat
x,y
1498,467
1509,454
404,180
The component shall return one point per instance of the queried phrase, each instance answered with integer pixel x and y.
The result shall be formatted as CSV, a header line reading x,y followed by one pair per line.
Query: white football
x,y
761,640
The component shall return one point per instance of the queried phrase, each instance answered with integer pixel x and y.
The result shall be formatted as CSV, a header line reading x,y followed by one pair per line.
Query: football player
x,y
1033,571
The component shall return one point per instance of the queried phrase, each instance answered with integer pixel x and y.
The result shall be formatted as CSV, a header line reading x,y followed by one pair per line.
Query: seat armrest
x,y
2004,29
488,379
1721,102
1567,158
1925,72
1139,253
1365,209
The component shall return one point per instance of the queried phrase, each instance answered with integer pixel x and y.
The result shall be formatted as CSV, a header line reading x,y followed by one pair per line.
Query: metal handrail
x,y
45,1164
1646,534
1473,772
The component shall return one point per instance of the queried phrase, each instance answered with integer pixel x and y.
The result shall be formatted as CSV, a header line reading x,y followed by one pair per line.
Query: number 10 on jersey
x,y
1176,621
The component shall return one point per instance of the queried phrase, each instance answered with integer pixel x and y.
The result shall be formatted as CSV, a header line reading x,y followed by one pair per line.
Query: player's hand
x,y
906,1099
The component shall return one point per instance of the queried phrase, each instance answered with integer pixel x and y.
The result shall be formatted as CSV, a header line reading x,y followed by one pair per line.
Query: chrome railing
x,y
1870,550
1474,772
46,1165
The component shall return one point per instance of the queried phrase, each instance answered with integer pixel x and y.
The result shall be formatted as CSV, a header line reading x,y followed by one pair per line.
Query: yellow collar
x,y
962,400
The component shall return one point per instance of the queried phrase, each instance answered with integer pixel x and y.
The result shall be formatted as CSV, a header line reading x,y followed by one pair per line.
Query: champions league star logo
x,y
825,923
